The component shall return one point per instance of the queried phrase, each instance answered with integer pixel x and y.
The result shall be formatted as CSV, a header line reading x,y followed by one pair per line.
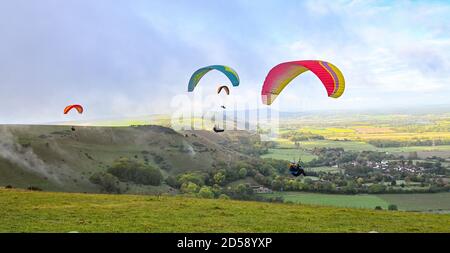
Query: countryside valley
x,y
370,162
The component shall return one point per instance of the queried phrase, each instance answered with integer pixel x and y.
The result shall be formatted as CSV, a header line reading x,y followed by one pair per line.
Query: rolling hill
x,y
55,158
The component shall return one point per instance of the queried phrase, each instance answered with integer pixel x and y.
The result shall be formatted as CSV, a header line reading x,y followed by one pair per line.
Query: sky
x,y
132,58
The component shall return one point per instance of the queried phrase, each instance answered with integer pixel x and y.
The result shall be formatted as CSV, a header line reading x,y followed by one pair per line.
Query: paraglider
x,y
218,130
68,108
296,169
282,74
225,88
229,72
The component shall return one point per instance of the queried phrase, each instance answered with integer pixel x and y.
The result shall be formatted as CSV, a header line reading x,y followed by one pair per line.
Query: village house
x,y
261,189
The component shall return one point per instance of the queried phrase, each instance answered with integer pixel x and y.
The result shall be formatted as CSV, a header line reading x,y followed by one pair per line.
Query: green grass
x,y
287,148
289,155
324,169
347,145
24,211
419,202
354,201
406,202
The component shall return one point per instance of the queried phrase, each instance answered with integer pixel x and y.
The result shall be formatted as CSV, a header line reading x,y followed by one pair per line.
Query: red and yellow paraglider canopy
x,y
282,74
79,108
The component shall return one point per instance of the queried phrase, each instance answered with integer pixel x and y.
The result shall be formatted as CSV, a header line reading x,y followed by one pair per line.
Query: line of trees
x,y
127,171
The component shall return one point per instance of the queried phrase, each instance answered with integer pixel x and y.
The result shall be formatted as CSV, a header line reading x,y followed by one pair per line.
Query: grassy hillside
x,y
55,158
25,211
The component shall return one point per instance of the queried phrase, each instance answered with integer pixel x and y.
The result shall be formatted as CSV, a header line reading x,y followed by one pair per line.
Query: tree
x,y
219,178
360,181
350,187
377,188
172,182
266,169
206,192
242,172
106,181
241,191
392,207
195,178
292,185
189,188
132,171
216,190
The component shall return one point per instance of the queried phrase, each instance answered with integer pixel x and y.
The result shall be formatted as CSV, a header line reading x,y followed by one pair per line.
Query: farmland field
x,y
354,201
347,145
354,132
25,211
289,155
288,151
419,202
406,202
324,169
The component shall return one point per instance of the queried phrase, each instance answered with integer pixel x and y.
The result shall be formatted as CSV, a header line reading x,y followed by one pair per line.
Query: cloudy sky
x,y
131,58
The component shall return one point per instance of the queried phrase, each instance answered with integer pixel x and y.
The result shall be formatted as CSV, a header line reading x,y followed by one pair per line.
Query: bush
x,y
377,188
106,181
392,207
241,191
206,192
243,172
34,188
172,182
219,178
131,171
378,208
189,188
224,196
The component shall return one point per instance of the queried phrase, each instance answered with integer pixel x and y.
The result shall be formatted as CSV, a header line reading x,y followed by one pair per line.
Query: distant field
x,y
375,130
356,131
289,155
286,148
354,201
406,202
347,145
417,148
162,120
324,169
25,211
419,202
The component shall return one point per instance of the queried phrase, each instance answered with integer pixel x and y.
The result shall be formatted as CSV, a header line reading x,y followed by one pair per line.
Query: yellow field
x,y
368,133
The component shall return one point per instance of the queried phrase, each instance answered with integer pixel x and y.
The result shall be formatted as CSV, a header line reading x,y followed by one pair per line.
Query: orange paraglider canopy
x,y
79,108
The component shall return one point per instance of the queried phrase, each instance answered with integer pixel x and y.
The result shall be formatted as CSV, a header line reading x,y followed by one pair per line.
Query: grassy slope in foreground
x,y
24,211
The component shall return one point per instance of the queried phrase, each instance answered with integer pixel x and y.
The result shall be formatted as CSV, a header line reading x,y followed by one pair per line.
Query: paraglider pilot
x,y
296,169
